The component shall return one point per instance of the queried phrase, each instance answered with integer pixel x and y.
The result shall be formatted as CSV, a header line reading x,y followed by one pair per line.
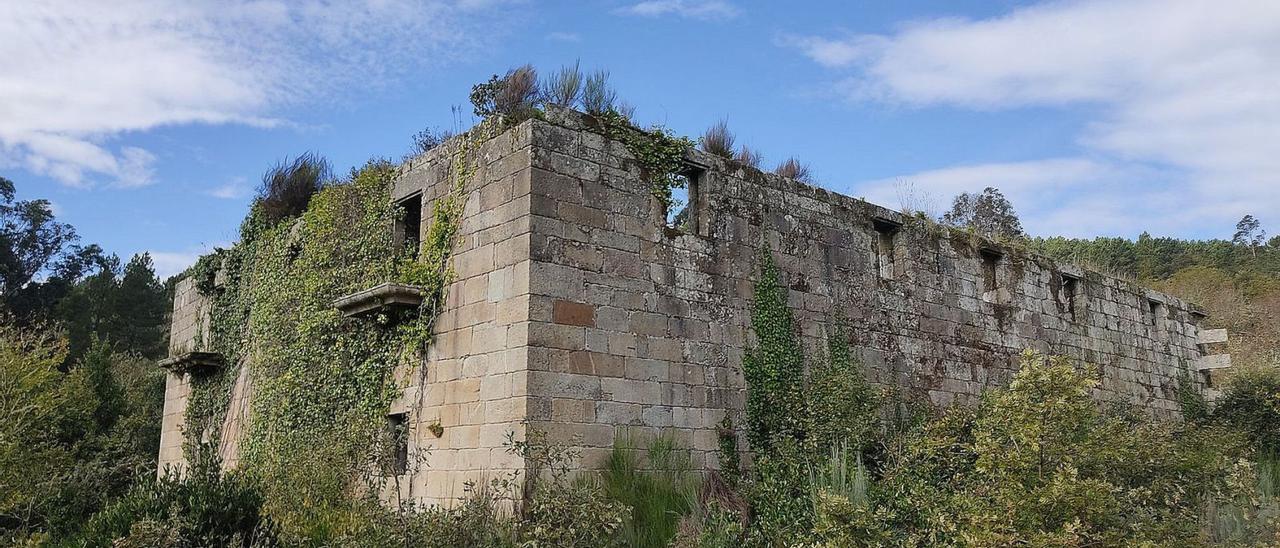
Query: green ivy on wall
x,y
659,153
322,383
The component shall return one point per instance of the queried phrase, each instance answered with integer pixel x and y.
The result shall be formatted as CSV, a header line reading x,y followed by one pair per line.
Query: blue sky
x,y
148,123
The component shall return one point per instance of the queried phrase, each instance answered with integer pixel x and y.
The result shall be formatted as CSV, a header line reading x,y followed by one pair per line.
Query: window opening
x,y
886,233
683,210
990,267
409,225
1070,291
398,433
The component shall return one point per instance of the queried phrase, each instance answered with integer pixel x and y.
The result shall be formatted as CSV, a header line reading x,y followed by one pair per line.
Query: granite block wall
x,y
637,325
189,328
473,381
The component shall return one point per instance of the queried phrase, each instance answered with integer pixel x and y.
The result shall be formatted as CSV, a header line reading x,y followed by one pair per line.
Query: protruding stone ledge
x,y
1216,361
386,297
195,363
1212,336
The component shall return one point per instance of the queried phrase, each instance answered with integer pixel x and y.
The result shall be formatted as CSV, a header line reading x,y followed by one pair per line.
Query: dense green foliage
x,y
987,213
1038,463
80,397
774,366
202,506
70,438
659,153
1251,404
322,382
1042,463
1152,258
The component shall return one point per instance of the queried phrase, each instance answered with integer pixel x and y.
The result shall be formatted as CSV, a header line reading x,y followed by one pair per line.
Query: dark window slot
x,y
409,225
990,269
398,434
886,233
1070,293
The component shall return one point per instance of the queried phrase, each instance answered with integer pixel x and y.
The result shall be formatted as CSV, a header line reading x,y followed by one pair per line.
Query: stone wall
x,y
188,330
635,324
473,383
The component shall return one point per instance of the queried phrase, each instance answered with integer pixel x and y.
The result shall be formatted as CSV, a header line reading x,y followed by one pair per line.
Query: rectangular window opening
x,y
409,225
886,232
1070,292
398,434
683,210
990,268
1156,314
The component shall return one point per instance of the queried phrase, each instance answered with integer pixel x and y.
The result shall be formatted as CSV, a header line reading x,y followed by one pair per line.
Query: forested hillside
x,y
1237,281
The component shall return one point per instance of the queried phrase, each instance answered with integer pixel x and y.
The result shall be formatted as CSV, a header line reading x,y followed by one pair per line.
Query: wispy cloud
x,y
169,263
1054,196
234,189
1193,92
564,37
707,10
78,75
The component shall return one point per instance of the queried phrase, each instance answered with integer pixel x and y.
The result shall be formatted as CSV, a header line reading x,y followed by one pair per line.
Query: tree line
x,y
80,396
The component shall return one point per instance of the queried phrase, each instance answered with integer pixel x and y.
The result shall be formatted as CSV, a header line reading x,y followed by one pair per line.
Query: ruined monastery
x,y
577,309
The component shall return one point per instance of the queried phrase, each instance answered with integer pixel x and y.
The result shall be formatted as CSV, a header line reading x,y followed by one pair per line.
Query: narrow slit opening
x,y
408,231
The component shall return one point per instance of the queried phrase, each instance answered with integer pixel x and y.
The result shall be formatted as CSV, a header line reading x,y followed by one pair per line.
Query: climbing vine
x,y
774,367
659,152
322,383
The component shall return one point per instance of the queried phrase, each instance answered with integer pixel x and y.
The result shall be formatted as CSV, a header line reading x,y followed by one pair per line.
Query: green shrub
x,y
714,526
477,521
199,507
561,508
773,366
514,97
288,187
1039,462
779,494
1251,403
842,406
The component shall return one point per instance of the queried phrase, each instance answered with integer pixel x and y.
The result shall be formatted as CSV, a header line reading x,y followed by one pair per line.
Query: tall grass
x,y
718,140
839,475
657,482
518,93
287,187
749,156
793,169
564,87
597,96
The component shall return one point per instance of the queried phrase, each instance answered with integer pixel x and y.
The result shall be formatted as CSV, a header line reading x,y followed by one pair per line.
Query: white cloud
x,y
234,189
708,10
169,263
78,75
1054,196
1187,85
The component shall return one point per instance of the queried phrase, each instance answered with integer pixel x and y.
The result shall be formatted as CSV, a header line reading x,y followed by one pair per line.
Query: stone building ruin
x,y
578,311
